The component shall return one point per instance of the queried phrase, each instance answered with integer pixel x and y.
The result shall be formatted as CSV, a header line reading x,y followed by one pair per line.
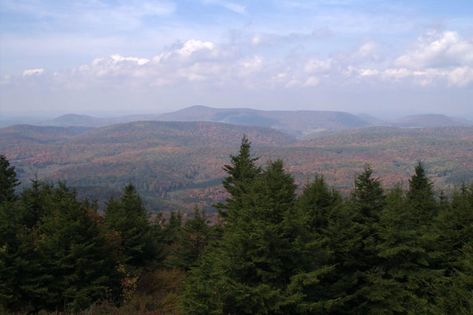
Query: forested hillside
x,y
175,165
376,250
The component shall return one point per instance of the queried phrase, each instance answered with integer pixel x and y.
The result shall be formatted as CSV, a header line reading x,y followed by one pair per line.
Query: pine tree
x,y
249,270
420,195
190,242
454,227
408,249
77,267
129,218
241,173
353,240
33,201
8,180
316,202
315,206
20,268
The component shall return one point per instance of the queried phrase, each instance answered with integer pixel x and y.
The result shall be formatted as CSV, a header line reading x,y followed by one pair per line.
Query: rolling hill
x,y
430,120
178,164
297,123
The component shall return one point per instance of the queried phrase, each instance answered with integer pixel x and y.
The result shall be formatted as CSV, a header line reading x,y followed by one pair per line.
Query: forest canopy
x,y
402,250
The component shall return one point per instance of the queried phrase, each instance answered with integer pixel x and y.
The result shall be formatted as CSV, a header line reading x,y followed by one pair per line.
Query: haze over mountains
x,y
295,123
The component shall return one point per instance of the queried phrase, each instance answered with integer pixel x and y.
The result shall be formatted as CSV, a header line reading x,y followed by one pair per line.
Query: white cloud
x,y
193,45
138,61
318,65
461,76
33,72
312,81
368,49
251,65
438,50
197,61
368,72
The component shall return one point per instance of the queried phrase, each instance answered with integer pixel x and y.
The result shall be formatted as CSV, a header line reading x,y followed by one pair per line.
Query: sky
x,y
128,56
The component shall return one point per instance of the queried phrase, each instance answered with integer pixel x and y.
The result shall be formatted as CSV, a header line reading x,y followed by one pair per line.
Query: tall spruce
x,y
8,180
241,172
21,269
353,240
316,206
421,196
316,202
190,241
77,267
249,270
33,202
408,250
128,217
454,226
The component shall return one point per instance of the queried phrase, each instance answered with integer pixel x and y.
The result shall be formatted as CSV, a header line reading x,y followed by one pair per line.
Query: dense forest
x,y
402,250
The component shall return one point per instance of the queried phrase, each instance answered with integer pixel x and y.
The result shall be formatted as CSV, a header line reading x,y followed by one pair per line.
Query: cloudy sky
x,y
369,56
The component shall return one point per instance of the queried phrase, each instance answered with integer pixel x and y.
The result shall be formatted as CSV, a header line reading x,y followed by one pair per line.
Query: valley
x,y
178,164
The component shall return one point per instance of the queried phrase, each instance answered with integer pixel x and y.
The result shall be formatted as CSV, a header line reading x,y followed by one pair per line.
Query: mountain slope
x,y
186,134
24,134
294,122
430,121
179,164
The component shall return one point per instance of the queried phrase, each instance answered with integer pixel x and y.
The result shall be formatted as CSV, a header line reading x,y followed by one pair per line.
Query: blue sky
x,y
160,55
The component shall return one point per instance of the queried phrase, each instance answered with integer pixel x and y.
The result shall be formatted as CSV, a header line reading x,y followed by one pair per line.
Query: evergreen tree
x,y
454,226
19,269
173,228
20,266
129,218
249,270
316,206
353,240
33,201
420,195
8,180
77,267
241,173
316,202
408,249
191,241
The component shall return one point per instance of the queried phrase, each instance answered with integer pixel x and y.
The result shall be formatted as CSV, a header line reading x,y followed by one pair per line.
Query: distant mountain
x,y
180,133
373,121
296,123
23,134
75,120
431,120
300,124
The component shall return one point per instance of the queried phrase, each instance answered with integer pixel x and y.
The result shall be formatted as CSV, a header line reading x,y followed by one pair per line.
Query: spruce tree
x,y
353,240
241,172
33,201
315,207
316,202
129,218
421,196
61,263
190,242
454,227
249,270
20,266
409,250
8,180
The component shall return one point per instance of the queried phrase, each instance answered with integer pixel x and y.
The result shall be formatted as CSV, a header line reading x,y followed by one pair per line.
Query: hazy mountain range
x,y
176,164
295,123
